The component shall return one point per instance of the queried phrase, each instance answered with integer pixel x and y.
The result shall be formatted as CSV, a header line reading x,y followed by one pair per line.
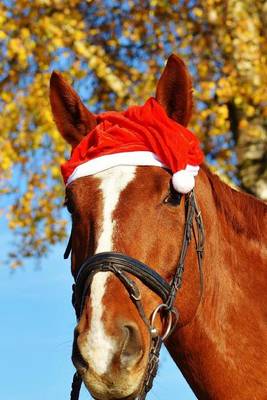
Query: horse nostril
x,y
132,350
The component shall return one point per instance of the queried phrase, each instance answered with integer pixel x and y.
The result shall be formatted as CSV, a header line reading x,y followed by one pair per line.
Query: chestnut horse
x,y
220,341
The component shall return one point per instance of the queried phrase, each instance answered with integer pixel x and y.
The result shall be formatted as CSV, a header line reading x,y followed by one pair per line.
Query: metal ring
x,y
169,319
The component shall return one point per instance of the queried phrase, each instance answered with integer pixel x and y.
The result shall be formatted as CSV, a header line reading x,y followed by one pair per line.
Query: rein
x,y
121,266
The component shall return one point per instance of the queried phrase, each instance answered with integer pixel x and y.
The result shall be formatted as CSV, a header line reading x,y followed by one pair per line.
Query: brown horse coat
x,y
220,343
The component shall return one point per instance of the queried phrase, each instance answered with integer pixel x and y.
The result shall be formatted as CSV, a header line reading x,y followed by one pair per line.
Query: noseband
x,y
122,266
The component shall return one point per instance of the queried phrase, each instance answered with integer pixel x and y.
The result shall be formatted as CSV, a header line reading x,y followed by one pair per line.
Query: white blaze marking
x,y
99,347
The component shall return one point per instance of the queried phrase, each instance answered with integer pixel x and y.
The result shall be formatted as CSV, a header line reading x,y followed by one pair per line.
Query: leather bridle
x,y
122,266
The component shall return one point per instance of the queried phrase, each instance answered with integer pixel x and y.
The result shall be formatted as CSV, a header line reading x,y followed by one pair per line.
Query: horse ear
x,y
72,118
174,90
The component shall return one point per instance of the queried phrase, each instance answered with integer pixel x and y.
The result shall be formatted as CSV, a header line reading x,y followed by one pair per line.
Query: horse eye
x,y
173,198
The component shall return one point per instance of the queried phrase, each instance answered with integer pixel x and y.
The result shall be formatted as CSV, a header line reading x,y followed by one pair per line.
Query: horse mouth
x,y
92,381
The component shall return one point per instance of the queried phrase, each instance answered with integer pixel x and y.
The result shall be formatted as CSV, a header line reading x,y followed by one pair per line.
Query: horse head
x,y
132,210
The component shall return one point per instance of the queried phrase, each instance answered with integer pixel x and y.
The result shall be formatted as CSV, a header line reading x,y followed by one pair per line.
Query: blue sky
x,y
37,322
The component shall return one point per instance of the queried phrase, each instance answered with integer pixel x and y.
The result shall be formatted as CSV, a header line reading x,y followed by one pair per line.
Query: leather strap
x,y
115,262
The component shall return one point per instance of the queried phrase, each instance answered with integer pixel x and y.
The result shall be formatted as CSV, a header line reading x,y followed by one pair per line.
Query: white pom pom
x,y
183,181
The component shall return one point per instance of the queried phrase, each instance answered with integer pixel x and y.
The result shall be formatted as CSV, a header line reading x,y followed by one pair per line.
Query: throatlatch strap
x,y
68,248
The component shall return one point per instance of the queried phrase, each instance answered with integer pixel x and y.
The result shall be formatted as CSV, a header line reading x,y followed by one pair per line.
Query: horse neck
x,y
220,348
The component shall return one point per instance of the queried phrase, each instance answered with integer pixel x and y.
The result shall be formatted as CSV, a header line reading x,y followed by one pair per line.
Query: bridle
x,y
122,266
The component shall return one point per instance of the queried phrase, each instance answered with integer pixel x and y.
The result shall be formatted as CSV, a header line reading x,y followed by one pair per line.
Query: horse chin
x,y
124,387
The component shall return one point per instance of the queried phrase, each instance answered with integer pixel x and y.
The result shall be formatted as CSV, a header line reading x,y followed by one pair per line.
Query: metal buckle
x,y
169,324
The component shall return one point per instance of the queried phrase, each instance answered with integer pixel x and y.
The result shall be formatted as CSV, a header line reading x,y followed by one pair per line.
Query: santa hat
x,y
141,135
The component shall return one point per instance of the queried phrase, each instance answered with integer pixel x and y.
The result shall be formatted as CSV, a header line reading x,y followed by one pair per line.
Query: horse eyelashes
x,y
173,198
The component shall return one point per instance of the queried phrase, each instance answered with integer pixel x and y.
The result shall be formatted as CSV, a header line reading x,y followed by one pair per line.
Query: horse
x,y
220,340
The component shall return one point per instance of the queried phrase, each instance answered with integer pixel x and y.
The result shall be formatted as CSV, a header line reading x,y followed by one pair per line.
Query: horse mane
x,y
243,211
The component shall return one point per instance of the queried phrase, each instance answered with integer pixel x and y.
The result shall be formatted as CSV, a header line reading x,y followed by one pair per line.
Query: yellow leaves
x,y
207,90
25,33
250,110
222,112
243,124
57,42
119,59
6,96
115,84
82,49
238,100
3,35
8,155
264,112
54,171
198,12
212,16
203,68
13,46
98,62
2,17
220,122
79,35
6,163
225,88
255,132
180,30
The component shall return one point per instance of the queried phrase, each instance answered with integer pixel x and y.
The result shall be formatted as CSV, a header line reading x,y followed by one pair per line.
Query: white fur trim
x,y
192,168
184,180
102,163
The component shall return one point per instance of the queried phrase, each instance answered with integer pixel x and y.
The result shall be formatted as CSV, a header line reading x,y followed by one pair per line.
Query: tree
x,y
114,52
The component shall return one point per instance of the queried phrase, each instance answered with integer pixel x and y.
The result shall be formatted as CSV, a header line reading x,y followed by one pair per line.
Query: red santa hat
x,y
141,135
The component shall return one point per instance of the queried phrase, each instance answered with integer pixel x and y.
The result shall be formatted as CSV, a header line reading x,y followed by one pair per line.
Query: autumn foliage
x,y
113,52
